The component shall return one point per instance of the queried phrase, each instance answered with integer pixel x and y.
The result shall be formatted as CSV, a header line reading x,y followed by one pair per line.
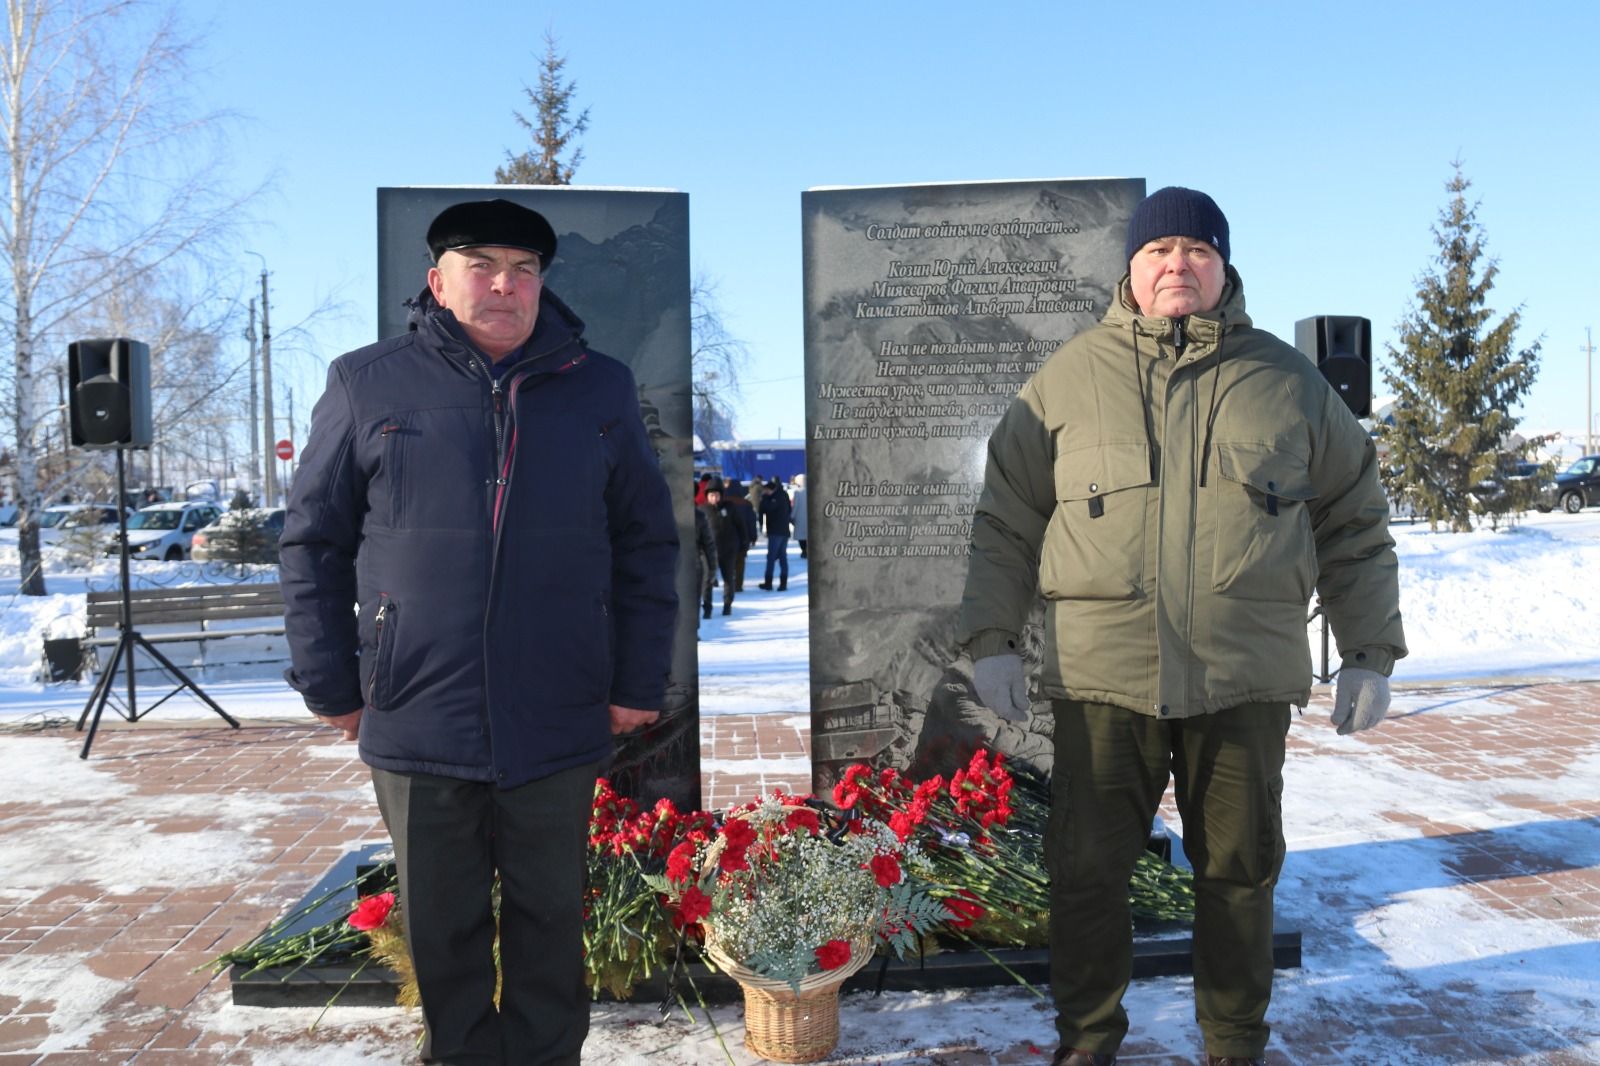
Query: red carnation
x,y
680,864
902,824
833,954
886,869
693,907
964,909
372,911
737,836
804,818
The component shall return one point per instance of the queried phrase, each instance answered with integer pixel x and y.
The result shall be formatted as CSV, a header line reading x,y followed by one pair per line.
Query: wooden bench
x,y
195,614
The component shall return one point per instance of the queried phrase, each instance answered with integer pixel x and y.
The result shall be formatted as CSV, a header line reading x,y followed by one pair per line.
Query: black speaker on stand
x,y
1341,346
109,400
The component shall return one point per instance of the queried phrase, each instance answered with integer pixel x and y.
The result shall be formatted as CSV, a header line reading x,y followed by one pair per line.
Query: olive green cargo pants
x,y
1111,768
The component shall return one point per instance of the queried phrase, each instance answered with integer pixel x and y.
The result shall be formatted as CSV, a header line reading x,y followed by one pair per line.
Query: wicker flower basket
x,y
781,1024
788,1026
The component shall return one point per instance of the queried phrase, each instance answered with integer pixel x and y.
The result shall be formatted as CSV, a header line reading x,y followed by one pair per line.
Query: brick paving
x,y
90,931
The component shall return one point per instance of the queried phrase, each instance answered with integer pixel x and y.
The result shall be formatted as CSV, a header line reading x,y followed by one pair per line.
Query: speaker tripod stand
x,y
1326,675
128,639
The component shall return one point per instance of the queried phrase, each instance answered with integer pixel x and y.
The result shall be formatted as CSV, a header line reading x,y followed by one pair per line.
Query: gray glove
x,y
1361,699
1002,686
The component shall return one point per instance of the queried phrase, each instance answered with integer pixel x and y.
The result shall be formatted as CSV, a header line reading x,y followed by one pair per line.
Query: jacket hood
x,y
1229,312
557,329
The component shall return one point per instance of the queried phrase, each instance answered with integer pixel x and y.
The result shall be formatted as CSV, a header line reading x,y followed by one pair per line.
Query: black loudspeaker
x,y
109,393
1341,346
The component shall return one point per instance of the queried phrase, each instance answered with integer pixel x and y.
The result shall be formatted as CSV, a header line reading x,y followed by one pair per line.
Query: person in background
x,y
706,552
725,530
1177,483
736,502
776,514
484,489
797,503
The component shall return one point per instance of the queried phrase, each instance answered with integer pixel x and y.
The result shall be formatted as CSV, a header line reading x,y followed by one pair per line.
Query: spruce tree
x,y
551,131
1455,378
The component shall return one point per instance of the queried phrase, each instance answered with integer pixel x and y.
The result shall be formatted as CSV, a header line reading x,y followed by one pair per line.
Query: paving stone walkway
x,y
123,946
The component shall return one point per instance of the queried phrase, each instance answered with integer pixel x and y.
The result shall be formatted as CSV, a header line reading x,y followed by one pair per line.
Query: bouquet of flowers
x,y
627,934
779,889
786,891
981,834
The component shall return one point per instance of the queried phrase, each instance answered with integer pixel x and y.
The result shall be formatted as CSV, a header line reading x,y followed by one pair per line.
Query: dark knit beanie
x,y
491,222
1177,212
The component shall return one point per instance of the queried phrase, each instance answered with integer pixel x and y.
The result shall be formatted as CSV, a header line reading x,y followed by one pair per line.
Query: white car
x,y
165,530
48,518
76,522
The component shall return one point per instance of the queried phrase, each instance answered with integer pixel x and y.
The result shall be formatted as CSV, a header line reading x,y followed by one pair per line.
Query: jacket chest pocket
x,y
1094,546
430,469
1261,516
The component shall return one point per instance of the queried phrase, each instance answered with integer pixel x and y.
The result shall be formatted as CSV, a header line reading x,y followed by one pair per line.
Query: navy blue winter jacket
x,y
510,542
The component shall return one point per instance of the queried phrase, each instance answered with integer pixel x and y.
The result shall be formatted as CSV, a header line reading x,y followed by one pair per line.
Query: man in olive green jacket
x,y
1177,484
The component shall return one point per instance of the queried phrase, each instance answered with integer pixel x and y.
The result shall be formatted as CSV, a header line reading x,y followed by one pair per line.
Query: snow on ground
x,y
756,660
1518,601
1491,603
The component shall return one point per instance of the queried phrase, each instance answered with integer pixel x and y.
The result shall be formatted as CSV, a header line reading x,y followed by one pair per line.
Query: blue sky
x,y
1325,131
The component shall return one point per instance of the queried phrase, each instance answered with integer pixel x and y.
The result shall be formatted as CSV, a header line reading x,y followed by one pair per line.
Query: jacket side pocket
x,y
1260,511
380,681
1094,546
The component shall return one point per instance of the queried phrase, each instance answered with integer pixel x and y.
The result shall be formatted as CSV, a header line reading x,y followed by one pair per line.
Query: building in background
x,y
749,460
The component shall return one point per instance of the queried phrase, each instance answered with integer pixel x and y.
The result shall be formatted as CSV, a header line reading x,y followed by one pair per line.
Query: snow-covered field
x,y
1518,601
1521,601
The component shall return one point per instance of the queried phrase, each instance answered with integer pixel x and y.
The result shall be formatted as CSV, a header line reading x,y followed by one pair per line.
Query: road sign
x,y
285,449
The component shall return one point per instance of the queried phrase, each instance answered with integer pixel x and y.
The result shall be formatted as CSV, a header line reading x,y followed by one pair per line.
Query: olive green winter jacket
x,y
1177,509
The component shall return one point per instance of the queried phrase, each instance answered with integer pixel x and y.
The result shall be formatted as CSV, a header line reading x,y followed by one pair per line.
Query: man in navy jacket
x,y
484,489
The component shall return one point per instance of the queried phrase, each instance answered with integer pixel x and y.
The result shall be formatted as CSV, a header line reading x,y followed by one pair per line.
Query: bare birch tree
x,y
716,362
111,177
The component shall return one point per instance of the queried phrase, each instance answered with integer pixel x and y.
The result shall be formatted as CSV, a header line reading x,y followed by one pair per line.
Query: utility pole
x,y
255,426
289,468
270,490
1588,392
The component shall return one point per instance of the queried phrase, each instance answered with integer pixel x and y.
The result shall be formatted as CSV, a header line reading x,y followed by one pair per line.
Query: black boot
x,y
705,610
783,586
727,608
1074,1057
765,586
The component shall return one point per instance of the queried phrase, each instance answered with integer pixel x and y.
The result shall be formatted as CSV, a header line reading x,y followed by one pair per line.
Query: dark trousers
x,y
728,566
450,837
1111,768
778,552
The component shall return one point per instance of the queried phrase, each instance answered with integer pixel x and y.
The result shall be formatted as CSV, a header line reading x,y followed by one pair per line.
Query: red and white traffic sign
x,y
285,449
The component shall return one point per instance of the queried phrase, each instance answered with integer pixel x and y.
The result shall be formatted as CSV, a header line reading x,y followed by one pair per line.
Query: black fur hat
x,y
496,222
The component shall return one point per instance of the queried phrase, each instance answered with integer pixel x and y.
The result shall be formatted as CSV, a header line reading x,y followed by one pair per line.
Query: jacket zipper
x,y
378,656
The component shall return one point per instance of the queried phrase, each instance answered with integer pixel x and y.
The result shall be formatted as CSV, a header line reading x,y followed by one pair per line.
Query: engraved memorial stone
x,y
927,307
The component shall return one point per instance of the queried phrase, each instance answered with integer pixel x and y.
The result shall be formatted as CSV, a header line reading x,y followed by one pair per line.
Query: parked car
x,y
53,520
165,530
80,522
1578,486
244,536
1519,485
